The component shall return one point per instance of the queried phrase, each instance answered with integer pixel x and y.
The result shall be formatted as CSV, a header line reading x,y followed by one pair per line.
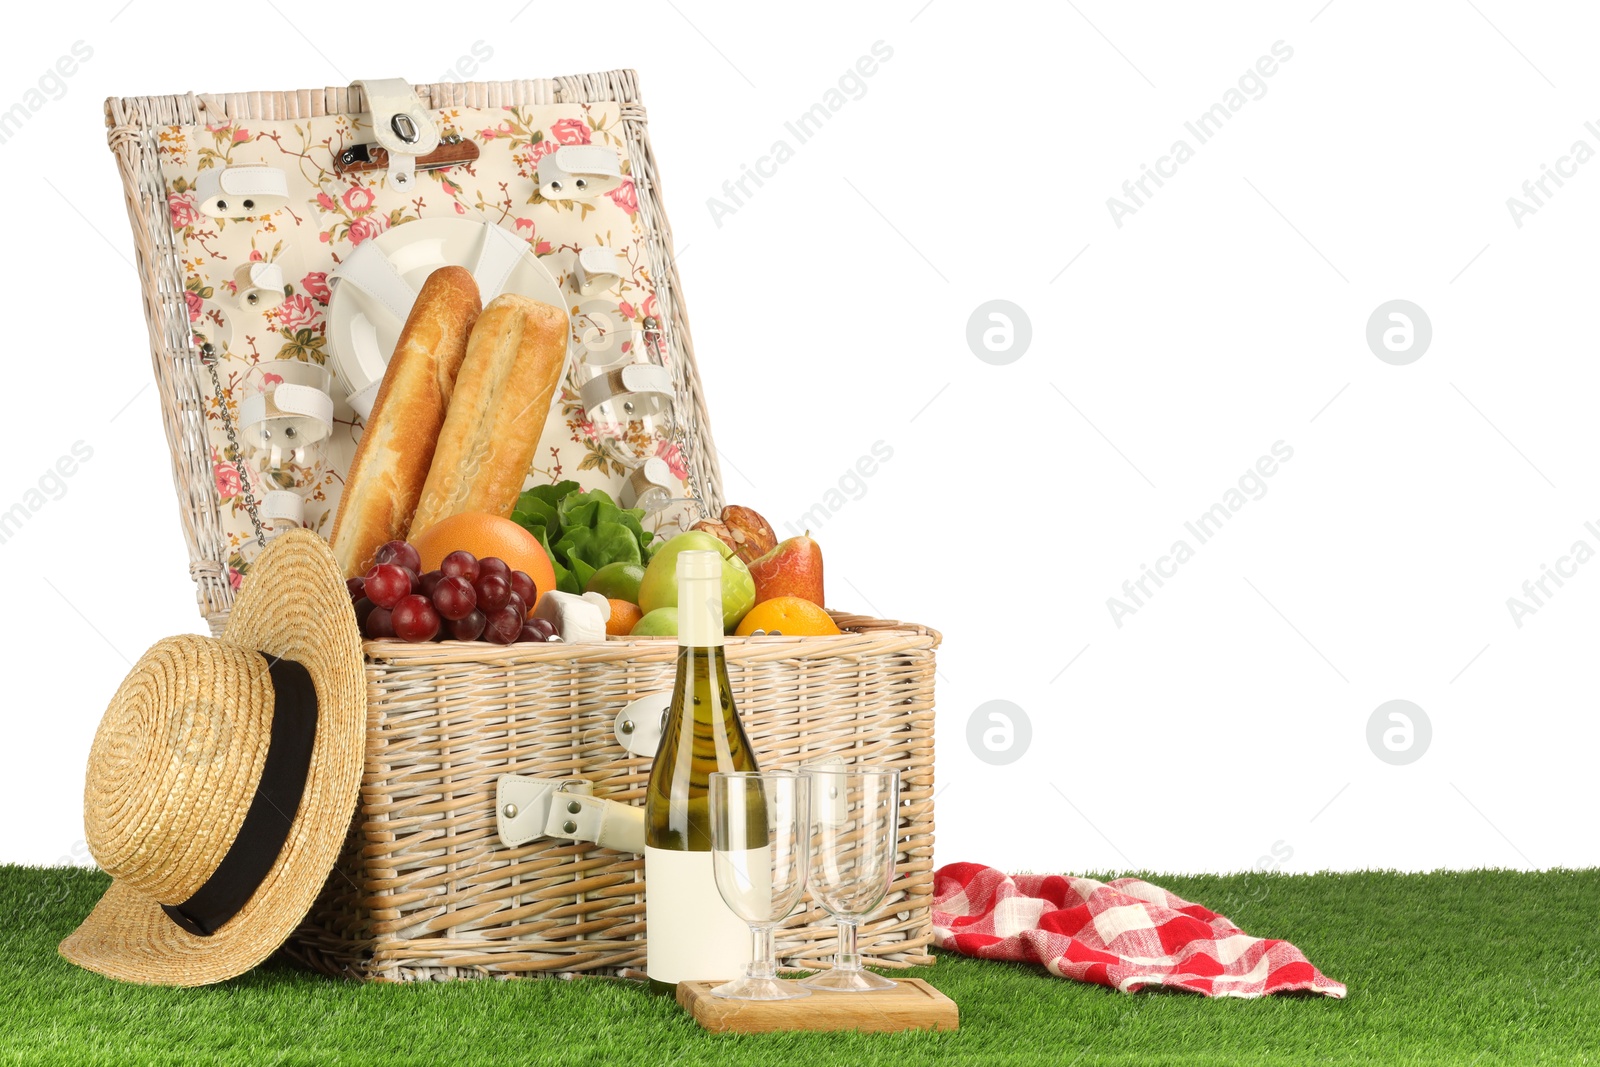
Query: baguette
x,y
396,450
514,362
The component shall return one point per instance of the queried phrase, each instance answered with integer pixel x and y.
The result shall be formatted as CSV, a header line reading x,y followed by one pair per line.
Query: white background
x,y
1223,722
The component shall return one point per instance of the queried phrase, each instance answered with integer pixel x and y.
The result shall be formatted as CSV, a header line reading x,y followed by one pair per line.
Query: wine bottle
x,y
692,934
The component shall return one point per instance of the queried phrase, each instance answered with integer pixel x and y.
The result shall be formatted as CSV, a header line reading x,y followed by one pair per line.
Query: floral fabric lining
x,y
328,215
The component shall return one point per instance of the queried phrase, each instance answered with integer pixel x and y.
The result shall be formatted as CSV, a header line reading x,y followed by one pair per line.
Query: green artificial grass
x,y
1469,968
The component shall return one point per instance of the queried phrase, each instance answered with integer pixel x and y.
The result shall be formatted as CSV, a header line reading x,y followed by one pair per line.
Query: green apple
x,y
662,622
617,581
659,588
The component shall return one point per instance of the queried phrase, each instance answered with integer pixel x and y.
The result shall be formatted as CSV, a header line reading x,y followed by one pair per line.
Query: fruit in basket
x,y
743,530
504,626
662,622
460,564
523,586
482,536
789,615
454,598
401,554
537,630
617,581
386,583
356,588
414,619
659,587
379,624
429,582
793,568
467,628
494,592
624,614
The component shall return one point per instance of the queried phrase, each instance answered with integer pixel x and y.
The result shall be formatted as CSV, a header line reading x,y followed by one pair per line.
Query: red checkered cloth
x,y
1125,934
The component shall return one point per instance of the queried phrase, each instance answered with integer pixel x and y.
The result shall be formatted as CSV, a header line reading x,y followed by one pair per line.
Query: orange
x,y
789,615
624,614
486,535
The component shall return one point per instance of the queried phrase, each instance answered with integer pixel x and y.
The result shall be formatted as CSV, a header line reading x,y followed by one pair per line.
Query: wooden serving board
x,y
912,1005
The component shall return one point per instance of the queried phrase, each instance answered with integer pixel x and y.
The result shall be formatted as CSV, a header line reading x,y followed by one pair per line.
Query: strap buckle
x,y
401,124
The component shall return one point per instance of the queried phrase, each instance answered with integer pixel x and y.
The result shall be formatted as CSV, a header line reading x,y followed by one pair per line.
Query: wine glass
x,y
856,818
760,848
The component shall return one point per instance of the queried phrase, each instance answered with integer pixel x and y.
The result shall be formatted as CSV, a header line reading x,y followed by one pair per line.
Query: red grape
x,y
379,623
416,579
400,554
460,565
523,586
514,601
493,593
542,627
430,582
504,626
363,609
414,619
353,586
494,565
469,627
454,597
386,583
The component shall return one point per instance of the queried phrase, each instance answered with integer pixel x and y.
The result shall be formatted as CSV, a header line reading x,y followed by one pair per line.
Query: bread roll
x,y
396,450
514,362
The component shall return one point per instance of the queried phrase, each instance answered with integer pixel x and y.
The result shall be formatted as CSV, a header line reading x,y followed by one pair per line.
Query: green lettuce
x,y
582,531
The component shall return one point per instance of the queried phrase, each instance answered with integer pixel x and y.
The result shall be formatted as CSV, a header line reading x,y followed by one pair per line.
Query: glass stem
x,y
762,961
849,958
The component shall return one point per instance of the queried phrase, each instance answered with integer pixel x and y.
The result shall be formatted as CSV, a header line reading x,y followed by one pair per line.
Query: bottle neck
x,y
700,612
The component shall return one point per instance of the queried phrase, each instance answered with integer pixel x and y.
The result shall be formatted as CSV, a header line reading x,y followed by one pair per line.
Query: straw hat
x,y
194,802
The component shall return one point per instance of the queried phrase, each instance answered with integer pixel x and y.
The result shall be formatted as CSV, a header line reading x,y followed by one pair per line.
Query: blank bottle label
x,y
693,935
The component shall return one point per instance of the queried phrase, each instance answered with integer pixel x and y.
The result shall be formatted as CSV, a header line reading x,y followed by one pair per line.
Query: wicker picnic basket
x,y
425,888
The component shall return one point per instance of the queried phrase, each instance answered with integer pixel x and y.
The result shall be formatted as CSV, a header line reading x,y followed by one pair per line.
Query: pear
x,y
792,568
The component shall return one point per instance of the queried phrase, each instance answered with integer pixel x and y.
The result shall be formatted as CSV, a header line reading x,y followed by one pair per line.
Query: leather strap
x,y
579,172
259,284
372,272
241,192
607,823
362,399
638,725
636,391
598,268
401,125
527,809
271,815
651,486
283,505
498,255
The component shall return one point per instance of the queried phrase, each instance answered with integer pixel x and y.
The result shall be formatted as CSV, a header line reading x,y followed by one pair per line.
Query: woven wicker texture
x,y
426,890
132,124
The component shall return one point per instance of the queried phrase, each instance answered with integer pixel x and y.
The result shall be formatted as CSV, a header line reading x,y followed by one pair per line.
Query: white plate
x,y
362,332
